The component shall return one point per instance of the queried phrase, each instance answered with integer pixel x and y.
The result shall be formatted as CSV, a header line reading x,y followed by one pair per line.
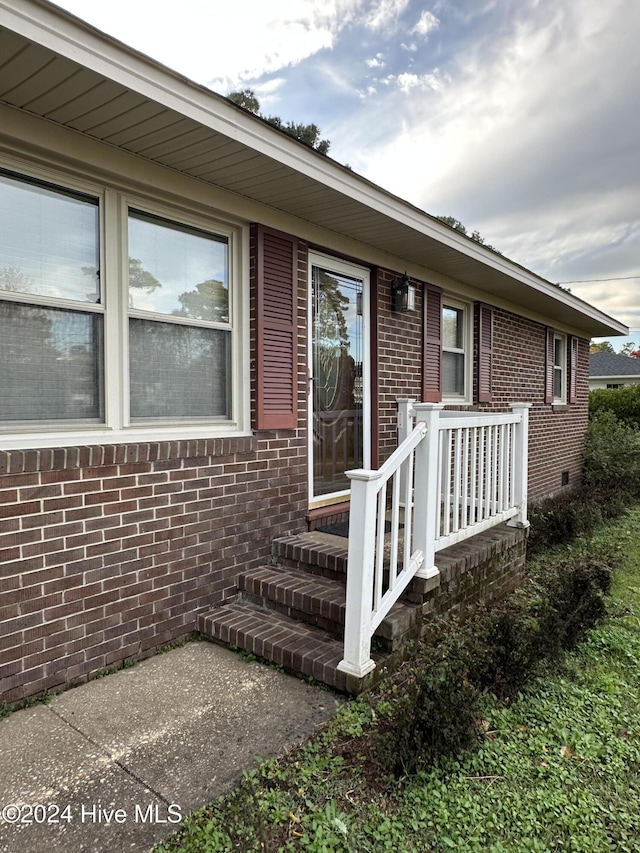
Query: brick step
x,y
320,601
317,553
326,556
299,648
300,595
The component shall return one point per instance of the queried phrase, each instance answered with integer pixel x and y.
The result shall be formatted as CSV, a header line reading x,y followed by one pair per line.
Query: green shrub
x,y
497,650
612,453
437,716
624,403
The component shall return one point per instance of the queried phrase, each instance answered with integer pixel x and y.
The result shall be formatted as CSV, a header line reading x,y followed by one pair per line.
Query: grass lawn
x,y
558,769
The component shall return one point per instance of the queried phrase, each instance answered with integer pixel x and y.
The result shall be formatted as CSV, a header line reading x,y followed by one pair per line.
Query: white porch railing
x,y
453,475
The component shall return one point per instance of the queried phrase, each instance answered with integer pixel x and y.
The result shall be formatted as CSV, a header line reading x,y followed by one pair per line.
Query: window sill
x,y
92,435
560,408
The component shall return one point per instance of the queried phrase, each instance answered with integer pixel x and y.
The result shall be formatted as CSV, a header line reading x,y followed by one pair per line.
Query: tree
x,y
309,134
630,349
603,346
476,236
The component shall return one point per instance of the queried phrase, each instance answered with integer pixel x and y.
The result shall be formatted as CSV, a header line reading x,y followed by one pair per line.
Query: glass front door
x,y
339,387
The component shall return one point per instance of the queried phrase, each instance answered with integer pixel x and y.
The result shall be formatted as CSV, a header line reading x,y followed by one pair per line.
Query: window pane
x,y
452,373
48,241
51,364
177,270
179,371
557,383
558,350
452,328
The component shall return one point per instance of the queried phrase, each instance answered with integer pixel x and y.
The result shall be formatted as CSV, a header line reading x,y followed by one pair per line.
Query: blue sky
x,y
519,117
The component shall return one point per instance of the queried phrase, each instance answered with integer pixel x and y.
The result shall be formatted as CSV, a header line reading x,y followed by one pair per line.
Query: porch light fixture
x,y
404,294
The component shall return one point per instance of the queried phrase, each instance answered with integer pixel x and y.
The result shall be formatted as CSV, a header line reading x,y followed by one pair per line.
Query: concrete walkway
x,y
115,763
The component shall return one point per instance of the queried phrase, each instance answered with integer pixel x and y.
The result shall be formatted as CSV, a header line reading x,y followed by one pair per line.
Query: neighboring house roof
x,y
60,68
608,364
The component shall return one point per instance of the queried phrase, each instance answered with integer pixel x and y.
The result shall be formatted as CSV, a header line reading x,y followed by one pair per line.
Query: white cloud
x,y
385,14
427,22
408,82
376,62
252,38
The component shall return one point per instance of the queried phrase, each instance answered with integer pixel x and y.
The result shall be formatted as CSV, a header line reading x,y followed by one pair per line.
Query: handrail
x,y
374,584
453,475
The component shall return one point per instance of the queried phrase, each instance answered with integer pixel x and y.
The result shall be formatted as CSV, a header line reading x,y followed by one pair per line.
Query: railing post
x,y
360,571
520,473
426,490
405,427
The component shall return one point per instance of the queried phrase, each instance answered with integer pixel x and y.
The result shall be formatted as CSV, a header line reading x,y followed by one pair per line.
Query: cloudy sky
x,y
519,117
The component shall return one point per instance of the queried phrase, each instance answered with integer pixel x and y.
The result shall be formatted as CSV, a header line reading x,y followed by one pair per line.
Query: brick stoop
x,y
292,614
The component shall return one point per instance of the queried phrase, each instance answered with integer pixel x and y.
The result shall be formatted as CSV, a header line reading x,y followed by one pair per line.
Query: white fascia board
x,y
52,27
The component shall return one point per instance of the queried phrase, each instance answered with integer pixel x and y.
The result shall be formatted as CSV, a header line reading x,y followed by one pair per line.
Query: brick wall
x,y
107,553
482,570
111,552
556,437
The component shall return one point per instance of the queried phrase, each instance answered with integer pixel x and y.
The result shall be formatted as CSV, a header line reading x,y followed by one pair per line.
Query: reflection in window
x,y
179,368
48,241
453,354
177,270
51,356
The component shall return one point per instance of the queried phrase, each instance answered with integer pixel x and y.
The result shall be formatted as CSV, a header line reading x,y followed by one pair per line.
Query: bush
x,y
497,651
612,452
624,403
436,717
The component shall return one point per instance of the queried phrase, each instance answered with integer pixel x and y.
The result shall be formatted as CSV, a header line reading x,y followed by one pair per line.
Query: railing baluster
x,y
473,491
395,527
481,471
457,479
464,522
408,509
447,438
379,564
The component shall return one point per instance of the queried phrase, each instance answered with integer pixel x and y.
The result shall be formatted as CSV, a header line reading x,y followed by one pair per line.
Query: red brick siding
x,y
557,434
108,552
115,553
399,359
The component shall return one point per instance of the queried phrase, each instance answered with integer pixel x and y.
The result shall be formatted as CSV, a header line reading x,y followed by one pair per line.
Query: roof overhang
x,y
55,66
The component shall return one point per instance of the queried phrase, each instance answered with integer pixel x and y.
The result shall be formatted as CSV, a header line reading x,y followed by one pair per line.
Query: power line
x,y
584,280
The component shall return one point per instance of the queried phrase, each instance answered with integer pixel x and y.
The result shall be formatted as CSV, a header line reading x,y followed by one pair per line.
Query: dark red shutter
x,y
485,353
573,369
548,367
276,330
432,348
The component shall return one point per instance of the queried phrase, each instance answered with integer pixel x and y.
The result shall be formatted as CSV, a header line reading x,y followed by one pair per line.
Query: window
x,y
51,312
179,333
559,369
455,351
117,322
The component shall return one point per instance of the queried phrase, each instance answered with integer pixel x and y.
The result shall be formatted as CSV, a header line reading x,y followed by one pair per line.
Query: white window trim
x,y
562,367
113,209
465,398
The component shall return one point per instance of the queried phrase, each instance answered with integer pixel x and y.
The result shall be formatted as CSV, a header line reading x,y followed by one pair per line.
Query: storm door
x,y
339,402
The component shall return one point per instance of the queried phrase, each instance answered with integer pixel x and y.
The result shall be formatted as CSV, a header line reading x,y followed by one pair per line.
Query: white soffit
x,y
57,67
